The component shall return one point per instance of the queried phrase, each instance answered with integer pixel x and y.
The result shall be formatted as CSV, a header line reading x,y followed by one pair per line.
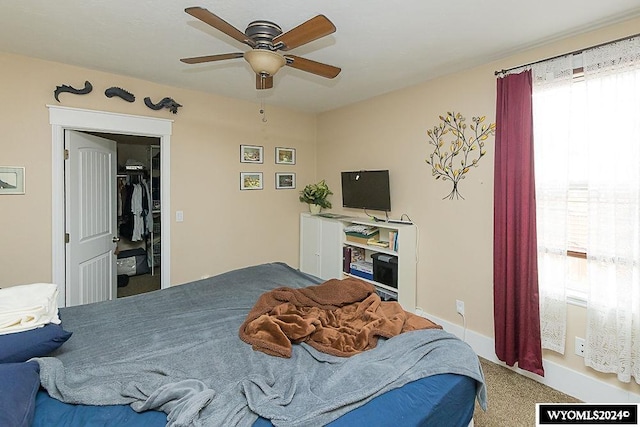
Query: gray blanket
x,y
177,350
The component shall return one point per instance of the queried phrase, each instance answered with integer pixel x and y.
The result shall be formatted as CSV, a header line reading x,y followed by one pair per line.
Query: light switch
x,y
179,216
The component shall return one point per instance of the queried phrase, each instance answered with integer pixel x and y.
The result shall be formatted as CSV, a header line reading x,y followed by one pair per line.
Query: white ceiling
x,y
380,45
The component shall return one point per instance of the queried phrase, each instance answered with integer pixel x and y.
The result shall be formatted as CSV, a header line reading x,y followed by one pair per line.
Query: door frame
x,y
62,118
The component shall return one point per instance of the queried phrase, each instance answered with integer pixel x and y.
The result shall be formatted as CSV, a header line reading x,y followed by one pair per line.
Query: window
x,y
577,207
570,125
587,157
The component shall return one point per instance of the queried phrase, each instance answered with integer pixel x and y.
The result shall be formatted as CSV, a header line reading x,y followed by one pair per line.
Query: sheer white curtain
x,y
612,82
552,98
587,139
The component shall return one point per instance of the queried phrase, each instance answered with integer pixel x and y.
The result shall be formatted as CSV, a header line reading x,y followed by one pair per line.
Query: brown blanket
x,y
339,317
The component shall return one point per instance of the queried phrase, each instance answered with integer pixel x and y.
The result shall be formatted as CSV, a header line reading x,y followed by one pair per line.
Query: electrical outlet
x,y
579,346
460,307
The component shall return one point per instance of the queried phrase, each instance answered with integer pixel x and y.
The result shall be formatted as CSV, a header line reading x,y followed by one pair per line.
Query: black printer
x,y
385,269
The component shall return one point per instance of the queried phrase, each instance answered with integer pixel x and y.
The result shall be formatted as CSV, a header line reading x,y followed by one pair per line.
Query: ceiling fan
x,y
266,39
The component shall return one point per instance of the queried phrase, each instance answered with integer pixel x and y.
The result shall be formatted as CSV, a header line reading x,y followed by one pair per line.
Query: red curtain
x,y
515,262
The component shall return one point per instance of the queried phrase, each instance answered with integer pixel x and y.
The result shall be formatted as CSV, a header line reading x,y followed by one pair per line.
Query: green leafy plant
x,y
453,162
316,194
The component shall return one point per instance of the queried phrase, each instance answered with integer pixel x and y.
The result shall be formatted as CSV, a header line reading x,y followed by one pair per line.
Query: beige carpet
x,y
512,398
141,284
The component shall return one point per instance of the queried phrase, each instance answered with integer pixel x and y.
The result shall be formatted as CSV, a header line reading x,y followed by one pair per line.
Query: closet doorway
x,y
138,251
63,119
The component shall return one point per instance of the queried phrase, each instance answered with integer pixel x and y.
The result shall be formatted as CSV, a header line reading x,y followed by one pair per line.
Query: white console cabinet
x,y
322,241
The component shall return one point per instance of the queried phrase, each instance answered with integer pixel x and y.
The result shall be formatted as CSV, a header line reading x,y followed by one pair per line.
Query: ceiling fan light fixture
x,y
266,40
264,61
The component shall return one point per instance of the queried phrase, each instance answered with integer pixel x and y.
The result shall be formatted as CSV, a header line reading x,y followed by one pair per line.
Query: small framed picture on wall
x,y
285,180
285,156
11,180
251,154
251,180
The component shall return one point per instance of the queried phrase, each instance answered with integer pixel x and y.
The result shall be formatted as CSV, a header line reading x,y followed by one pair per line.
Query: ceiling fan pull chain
x,y
263,112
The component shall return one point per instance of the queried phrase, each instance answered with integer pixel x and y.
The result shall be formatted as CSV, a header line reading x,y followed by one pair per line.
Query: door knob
x,y
115,239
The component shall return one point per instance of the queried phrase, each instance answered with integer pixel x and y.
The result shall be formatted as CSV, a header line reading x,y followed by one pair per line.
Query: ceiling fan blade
x,y
218,23
211,58
324,70
264,82
313,29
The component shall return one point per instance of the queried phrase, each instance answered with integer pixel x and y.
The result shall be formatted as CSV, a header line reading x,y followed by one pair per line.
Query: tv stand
x,y
322,243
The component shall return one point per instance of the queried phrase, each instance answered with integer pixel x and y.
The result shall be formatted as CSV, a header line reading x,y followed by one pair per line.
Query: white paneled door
x,y
91,218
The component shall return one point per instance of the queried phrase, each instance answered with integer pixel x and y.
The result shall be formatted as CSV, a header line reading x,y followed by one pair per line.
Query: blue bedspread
x,y
444,400
51,412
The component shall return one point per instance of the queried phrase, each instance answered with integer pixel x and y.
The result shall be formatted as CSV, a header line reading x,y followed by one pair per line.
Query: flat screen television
x,y
366,190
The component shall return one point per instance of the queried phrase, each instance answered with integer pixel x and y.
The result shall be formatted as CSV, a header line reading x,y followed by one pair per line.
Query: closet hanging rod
x,y
506,70
137,174
133,172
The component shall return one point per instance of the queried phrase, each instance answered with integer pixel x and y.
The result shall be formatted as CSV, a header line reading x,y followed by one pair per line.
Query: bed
x,y
173,357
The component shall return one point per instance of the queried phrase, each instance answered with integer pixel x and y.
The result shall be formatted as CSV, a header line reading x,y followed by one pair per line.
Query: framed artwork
x,y
251,180
285,180
285,156
251,154
11,180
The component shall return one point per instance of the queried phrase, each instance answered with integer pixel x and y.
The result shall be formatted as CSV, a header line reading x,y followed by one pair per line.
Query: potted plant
x,y
315,195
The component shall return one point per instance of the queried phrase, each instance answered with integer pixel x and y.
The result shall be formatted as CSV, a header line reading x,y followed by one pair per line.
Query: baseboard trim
x,y
558,377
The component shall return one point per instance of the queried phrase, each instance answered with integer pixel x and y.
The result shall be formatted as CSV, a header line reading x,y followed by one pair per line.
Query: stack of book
x,y
361,233
376,242
393,240
362,269
351,254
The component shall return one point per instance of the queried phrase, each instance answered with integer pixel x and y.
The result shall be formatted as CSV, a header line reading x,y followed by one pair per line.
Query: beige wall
x,y
455,241
223,228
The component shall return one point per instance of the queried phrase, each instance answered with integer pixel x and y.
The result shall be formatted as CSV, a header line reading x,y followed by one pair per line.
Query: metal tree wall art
x,y
453,161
